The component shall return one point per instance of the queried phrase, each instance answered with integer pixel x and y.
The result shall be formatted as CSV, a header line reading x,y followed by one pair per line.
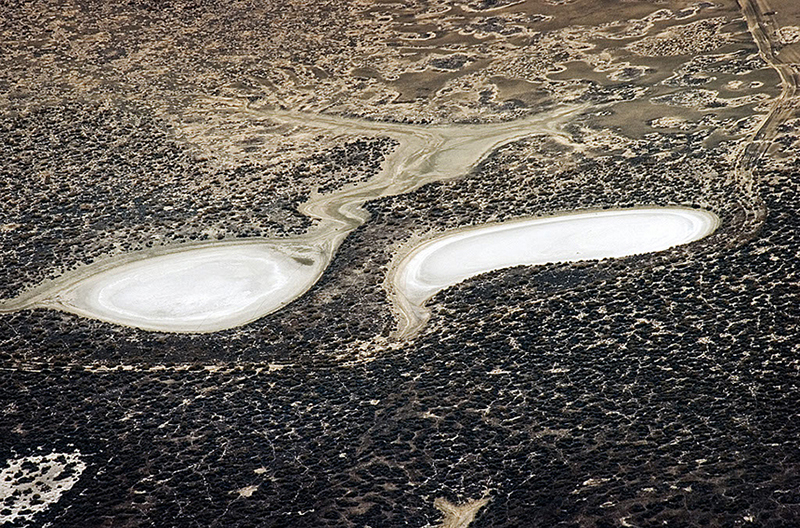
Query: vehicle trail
x,y
764,29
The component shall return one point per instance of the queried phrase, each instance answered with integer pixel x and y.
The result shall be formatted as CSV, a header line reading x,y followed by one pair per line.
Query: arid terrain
x,y
655,389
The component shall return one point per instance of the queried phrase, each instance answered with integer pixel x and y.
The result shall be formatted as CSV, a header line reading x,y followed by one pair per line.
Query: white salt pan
x,y
199,290
451,258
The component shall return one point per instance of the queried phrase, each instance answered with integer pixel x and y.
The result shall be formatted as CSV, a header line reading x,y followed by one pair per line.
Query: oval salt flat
x,y
198,290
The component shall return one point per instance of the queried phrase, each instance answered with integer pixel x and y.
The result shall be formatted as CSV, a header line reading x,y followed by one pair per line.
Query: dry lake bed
x,y
452,264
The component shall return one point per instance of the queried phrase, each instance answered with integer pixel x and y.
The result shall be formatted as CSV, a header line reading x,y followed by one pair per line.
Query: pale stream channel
x,y
217,285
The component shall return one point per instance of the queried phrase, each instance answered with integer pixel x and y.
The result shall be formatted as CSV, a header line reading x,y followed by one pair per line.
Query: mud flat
x,y
450,258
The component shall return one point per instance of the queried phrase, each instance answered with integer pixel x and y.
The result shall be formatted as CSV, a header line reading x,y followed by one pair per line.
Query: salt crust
x,y
450,258
200,290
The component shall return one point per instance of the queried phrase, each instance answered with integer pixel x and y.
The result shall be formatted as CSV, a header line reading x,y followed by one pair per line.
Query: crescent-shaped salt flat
x,y
450,258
